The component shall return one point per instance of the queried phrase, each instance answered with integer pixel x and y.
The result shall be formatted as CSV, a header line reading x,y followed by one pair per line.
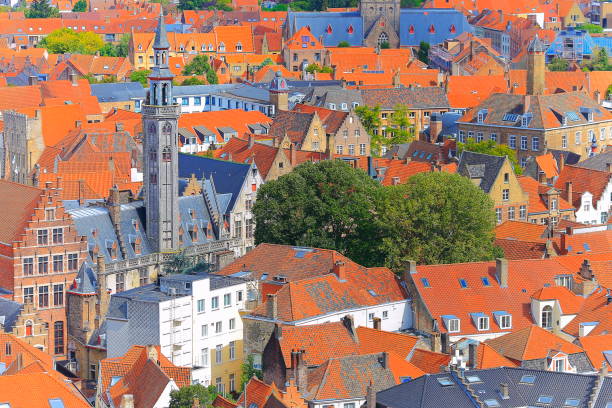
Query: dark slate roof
x,y
294,124
480,166
427,391
415,98
120,91
446,23
536,45
449,123
95,224
85,282
570,158
228,177
598,162
318,23
9,313
323,96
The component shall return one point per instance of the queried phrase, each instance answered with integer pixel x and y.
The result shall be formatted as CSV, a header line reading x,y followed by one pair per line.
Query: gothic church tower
x,y
379,29
160,150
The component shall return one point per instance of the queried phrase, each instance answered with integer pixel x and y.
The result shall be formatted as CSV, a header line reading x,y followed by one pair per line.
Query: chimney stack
x,y
278,331
501,271
292,155
569,189
436,343
152,354
472,356
349,322
32,80
251,140
609,167
340,270
444,343
504,391
300,372
272,306
74,79
102,290
370,396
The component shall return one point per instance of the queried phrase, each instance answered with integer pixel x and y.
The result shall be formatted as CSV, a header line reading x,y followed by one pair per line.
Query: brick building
x,y
301,50
534,122
41,253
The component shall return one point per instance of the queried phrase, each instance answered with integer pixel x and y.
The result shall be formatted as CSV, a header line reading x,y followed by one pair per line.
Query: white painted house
x,y
590,191
193,317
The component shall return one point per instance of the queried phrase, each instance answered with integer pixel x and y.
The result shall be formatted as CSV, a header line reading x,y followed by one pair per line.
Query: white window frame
x,y
451,325
502,321
481,323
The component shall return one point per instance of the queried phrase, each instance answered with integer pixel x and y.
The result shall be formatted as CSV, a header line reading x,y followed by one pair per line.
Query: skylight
x,y
425,283
571,402
586,247
372,292
573,116
473,378
463,283
114,380
445,381
485,281
528,379
545,399
56,403
264,276
491,403
510,117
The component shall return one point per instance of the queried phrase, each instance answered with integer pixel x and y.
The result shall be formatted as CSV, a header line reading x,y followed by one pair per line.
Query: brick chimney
x,y
300,372
435,127
370,396
472,356
74,79
501,271
102,290
251,140
340,270
272,306
292,155
152,354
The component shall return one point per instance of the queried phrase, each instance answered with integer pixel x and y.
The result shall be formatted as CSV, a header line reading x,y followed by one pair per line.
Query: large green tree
x,y
65,40
199,65
184,397
80,6
326,205
437,218
140,76
399,129
117,50
434,218
492,148
558,64
41,9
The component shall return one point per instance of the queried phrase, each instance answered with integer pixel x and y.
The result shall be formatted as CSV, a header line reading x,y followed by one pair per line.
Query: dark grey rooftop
x,y
481,166
9,312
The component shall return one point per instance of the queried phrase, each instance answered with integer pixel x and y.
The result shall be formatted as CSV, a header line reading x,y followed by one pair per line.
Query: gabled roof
x,y
521,231
583,180
332,119
598,348
429,361
18,202
569,302
514,249
487,357
595,311
294,124
37,389
480,167
531,343
303,39
320,295
537,196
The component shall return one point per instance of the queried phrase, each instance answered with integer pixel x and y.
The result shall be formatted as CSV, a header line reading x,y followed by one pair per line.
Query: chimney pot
x,y
340,270
504,391
272,306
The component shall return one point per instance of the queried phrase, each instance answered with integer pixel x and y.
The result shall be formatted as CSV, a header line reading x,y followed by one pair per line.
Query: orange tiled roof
x,y
547,164
36,389
536,192
303,39
429,361
469,91
521,231
18,202
58,120
514,249
257,392
531,343
480,298
570,302
595,309
230,36
487,357
587,242
595,346
583,180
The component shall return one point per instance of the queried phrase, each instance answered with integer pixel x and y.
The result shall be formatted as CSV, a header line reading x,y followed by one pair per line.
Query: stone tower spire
x,y
536,67
160,150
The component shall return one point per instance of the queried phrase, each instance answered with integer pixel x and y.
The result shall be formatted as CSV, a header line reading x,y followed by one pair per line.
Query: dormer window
x,y
482,115
432,29
452,323
452,29
411,29
483,323
329,29
221,47
239,46
504,319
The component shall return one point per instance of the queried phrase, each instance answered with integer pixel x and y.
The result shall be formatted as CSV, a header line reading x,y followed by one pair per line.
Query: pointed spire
x,y
536,45
161,37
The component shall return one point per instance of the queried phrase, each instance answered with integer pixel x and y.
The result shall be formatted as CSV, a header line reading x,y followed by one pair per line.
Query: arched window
x,y
383,38
154,95
350,29
221,47
164,96
166,154
432,29
411,29
452,29
167,129
547,317
329,29
28,328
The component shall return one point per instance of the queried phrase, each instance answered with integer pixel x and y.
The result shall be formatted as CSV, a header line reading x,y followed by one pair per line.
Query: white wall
x,y
589,212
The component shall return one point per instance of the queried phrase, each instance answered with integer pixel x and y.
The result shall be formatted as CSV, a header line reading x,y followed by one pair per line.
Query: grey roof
x,y
599,161
195,90
9,313
415,98
536,45
85,282
119,91
323,96
95,224
449,124
427,391
161,37
480,166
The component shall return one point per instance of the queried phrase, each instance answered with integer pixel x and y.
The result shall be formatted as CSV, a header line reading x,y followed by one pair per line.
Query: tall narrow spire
x,y
161,37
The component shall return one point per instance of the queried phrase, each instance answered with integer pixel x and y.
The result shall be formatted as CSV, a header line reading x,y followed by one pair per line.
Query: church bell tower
x,y
160,150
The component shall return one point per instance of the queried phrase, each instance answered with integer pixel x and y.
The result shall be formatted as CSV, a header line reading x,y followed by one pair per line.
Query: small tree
x,y
140,76
401,130
492,148
193,81
184,397
65,40
385,45
423,53
370,119
178,263
41,9
558,64
591,28
80,6
248,371
343,44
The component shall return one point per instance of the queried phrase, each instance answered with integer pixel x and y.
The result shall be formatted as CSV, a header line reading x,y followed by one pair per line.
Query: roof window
x,y
329,29
485,281
372,292
445,381
571,402
510,117
463,283
545,399
432,29
425,283
56,403
473,379
528,379
572,116
492,403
